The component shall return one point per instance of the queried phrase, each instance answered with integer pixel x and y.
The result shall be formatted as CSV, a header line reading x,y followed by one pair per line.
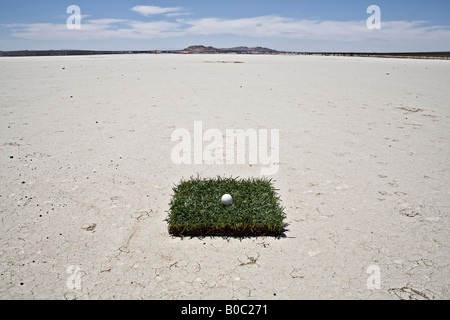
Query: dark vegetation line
x,y
237,50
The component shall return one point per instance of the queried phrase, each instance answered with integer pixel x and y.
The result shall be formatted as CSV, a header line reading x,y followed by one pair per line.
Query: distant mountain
x,y
237,50
251,50
190,50
198,50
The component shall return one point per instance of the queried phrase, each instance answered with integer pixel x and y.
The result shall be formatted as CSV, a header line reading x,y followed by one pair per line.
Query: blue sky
x,y
295,25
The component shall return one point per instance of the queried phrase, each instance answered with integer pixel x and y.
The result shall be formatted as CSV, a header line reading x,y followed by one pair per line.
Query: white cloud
x,y
401,35
177,14
281,27
106,21
156,29
154,10
97,30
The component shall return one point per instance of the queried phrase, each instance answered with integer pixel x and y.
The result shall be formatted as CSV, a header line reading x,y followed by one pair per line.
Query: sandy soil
x,y
86,177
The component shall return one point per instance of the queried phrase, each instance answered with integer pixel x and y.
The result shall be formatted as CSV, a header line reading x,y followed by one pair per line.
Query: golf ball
x,y
227,199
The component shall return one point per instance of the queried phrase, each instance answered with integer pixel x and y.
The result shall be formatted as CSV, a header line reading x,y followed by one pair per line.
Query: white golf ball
x,y
227,199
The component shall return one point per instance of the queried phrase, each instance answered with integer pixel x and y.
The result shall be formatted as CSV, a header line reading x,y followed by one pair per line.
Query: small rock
x,y
428,263
298,273
408,212
124,249
89,227
197,283
313,253
141,215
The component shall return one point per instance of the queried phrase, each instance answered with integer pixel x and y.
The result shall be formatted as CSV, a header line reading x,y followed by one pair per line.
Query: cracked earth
x,y
86,177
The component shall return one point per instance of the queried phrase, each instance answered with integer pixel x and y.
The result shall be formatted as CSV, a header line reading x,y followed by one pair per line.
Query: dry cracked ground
x,y
86,178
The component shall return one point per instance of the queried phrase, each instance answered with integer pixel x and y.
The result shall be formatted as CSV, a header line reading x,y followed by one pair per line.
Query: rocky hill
x,y
236,50
189,50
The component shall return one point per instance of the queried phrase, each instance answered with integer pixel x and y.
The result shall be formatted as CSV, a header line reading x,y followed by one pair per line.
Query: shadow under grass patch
x,y
196,208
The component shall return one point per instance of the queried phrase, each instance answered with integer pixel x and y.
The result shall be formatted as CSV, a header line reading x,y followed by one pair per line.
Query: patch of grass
x,y
196,208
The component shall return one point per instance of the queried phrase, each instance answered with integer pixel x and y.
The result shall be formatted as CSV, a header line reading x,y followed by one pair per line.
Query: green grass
x,y
196,208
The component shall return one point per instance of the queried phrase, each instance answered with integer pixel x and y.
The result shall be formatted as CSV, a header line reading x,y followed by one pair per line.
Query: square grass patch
x,y
196,208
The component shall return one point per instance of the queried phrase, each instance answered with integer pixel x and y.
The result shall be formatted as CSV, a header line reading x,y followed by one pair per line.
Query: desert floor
x,y
87,174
